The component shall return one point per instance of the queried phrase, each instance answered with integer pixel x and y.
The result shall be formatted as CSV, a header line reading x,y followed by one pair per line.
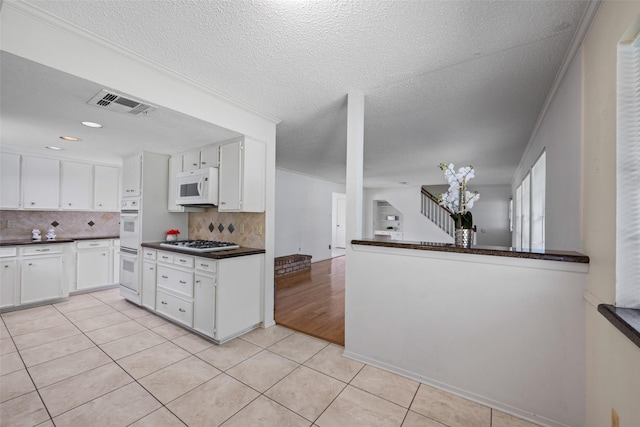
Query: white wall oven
x,y
130,238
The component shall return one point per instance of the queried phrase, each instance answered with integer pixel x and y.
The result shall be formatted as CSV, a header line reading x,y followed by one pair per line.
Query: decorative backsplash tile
x,y
17,225
235,227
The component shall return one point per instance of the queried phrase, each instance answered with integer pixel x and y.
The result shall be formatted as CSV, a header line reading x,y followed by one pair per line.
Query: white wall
x,y
508,333
560,134
416,227
303,215
613,361
490,213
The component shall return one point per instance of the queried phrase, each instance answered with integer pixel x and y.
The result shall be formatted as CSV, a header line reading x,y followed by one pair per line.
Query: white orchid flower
x,y
472,197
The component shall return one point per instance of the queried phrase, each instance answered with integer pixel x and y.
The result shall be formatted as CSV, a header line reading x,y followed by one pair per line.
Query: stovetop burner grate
x,y
201,245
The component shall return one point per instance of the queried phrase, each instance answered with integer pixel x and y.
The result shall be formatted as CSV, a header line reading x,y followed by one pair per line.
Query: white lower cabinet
x,y
204,307
217,298
41,274
174,307
8,281
93,264
149,284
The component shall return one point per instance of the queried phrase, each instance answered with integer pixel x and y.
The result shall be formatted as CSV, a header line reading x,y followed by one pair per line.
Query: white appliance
x,y
129,243
130,223
198,187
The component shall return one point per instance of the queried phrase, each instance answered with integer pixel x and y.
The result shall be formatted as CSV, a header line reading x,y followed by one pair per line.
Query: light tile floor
x,y
97,360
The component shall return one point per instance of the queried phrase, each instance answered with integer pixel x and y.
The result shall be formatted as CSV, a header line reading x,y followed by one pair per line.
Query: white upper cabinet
x,y
40,183
106,186
132,176
9,181
242,176
204,158
209,157
76,186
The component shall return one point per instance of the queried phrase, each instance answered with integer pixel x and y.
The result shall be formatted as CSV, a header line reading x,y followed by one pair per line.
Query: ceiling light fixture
x,y
92,124
51,147
70,138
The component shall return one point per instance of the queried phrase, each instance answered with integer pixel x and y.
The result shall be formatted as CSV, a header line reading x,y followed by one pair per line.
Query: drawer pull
x,y
184,283
151,268
197,281
165,277
183,260
182,310
204,265
43,250
6,266
165,257
94,244
163,302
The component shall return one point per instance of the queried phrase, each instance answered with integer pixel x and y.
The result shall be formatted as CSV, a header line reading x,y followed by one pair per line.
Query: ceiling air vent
x,y
114,102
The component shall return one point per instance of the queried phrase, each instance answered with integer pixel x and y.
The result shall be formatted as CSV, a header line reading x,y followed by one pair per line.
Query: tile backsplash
x,y
17,225
243,228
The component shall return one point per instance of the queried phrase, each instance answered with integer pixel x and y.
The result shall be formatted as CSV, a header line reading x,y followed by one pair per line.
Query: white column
x,y
355,164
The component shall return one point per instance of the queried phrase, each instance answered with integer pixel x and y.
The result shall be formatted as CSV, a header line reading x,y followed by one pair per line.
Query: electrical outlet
x,y
258,229
9,223
329,246
615,421
241,229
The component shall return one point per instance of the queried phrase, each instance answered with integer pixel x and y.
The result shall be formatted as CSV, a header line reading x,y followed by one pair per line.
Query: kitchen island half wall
x,y
505,331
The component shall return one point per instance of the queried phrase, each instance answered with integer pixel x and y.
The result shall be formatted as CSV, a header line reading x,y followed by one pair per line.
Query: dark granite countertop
x,y
56,240
627,320
232,253
549,255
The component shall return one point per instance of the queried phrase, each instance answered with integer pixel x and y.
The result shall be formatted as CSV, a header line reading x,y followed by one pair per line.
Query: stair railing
x,y
439,215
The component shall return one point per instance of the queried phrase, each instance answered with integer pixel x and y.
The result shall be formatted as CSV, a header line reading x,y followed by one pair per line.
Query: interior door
x,y
341,215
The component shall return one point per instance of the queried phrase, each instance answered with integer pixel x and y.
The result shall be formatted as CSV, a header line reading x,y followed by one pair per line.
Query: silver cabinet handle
x,y
104,254
163,302
151,268
183,260
184,283
204,265
30,264
165,277
182,310
223,203
33,203
6,266
43,250
94,244
197,281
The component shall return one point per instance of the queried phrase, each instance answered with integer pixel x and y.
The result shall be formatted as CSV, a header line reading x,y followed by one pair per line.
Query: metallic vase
x,y
464,237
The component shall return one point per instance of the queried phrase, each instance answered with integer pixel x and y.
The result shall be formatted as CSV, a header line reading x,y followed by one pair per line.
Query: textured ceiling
x,y
452,81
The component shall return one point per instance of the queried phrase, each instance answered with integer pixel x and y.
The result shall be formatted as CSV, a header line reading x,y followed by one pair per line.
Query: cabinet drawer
x,y
165,257
180,282
149,254
175,308
184,261
42,250
8,251
92,244
206,265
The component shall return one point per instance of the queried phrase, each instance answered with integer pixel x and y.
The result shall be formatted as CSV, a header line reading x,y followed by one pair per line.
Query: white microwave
x,y
197,188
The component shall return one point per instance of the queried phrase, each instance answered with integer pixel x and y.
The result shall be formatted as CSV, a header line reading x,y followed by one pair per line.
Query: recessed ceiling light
x,y
70,138
51,147
92,124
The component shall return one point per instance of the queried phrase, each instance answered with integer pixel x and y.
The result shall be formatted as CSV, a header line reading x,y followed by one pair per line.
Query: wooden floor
x,y
313,302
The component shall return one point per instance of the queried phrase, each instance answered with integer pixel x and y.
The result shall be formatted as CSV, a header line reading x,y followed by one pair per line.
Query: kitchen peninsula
x,y
477,322
217,294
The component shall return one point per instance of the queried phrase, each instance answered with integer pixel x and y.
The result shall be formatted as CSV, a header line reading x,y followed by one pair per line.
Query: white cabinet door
x,y
41,279
242,176
94,267
40,183
191,161
105,190
8,282
9,181
132,176
230,177
149,285
209,157
204,297
175,167
76,186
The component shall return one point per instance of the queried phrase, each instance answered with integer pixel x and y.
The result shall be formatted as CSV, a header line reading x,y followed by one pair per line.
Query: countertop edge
x,y
630,328
443,247
56,240
232,253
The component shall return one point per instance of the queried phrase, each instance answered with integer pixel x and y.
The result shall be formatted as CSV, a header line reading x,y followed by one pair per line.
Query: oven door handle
x,y
200,183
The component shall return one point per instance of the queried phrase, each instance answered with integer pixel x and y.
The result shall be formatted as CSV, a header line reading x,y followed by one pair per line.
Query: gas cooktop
x,y
200,245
